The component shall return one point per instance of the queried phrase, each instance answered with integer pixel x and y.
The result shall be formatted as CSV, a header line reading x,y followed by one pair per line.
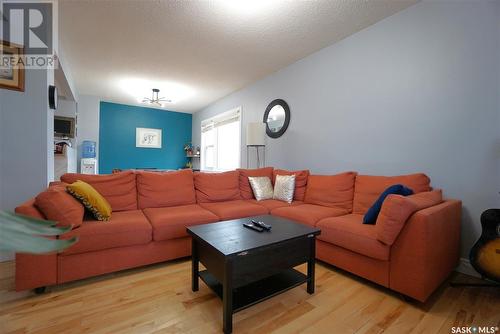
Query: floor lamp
x,y
256,137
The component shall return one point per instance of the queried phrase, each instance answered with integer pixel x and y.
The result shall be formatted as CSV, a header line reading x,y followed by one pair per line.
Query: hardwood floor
x,y
158,299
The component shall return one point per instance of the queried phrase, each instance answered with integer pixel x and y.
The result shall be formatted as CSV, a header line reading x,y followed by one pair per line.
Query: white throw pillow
x,y
262,187
284,187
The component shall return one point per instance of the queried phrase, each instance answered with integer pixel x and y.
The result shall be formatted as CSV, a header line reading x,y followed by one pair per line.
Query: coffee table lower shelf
x,y
258,291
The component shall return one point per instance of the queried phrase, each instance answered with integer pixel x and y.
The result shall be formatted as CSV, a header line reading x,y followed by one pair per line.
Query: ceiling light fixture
x,y
140,90
155,99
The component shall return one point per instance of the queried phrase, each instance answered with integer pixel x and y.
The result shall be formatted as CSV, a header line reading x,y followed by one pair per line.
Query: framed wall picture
x,y
11,67
148,138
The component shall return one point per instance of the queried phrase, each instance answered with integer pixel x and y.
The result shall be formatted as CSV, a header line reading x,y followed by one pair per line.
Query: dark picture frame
x,y
11,78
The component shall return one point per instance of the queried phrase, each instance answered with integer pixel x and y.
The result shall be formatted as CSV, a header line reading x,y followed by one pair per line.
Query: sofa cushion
x,y
308,214
397,209
271,204
29,208
300,181
284,188
350,233
217,187
118,189
426,199
262,187
125,228
165,189
91,199
57,205
372,213
367,188
235,209
170,223
245,188
331,190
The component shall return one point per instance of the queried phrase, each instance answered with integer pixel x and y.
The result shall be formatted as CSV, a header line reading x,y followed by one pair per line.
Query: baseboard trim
x,y
466,268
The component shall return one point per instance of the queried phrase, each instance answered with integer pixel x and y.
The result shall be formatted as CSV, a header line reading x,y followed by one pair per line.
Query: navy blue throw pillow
x,y
372,213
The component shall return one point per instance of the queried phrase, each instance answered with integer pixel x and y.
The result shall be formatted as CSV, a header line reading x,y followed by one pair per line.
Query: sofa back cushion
x,y
57,205
426,199
367,188
29,208
217,187
245,188
397,209
164,189
393,215
331,190
300,181
118,189
372,213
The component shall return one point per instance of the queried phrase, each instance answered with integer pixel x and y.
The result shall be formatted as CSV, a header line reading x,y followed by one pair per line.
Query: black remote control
x,y
253,227
262,224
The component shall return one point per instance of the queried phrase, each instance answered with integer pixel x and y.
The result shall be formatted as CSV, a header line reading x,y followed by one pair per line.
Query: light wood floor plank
x,y
158,299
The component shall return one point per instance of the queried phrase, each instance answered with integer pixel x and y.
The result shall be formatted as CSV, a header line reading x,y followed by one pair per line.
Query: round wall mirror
x,y
277,118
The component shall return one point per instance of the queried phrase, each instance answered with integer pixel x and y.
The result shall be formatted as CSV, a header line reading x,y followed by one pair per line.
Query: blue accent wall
x,y
117,124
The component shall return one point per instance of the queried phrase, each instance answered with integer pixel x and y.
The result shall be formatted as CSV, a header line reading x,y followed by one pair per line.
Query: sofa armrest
x,y
427,250
33,271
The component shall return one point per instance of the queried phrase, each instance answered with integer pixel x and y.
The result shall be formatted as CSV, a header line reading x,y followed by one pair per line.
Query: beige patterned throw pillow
x,y
284,186
262,187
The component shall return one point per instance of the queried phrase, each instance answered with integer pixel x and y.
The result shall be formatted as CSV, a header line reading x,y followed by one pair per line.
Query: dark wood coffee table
x,y
244,267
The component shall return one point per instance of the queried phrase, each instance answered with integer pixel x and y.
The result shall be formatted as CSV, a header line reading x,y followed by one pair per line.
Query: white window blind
x,y
220,141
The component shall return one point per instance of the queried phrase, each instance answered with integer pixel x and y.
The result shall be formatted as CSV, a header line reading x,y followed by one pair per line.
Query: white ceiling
x,y
199,51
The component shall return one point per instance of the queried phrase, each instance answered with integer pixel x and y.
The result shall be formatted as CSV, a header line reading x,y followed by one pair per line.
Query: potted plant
x,y
188,148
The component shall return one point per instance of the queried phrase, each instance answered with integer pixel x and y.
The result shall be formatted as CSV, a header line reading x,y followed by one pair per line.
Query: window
x,y
221,141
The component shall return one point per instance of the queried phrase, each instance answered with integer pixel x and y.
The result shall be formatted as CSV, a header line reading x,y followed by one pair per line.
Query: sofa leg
x,y
40,290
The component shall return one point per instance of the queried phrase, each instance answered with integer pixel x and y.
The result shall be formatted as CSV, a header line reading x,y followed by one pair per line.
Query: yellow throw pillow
x,y
91,199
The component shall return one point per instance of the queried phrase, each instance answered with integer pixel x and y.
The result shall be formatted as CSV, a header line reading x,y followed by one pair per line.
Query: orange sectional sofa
x,y
411,249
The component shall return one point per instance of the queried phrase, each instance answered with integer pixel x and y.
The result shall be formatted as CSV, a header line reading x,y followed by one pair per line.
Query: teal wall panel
x,y
117,127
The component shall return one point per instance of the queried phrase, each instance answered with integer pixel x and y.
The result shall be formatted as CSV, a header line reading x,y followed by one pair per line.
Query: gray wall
x,y
88,123
26,141
416,92
26,131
